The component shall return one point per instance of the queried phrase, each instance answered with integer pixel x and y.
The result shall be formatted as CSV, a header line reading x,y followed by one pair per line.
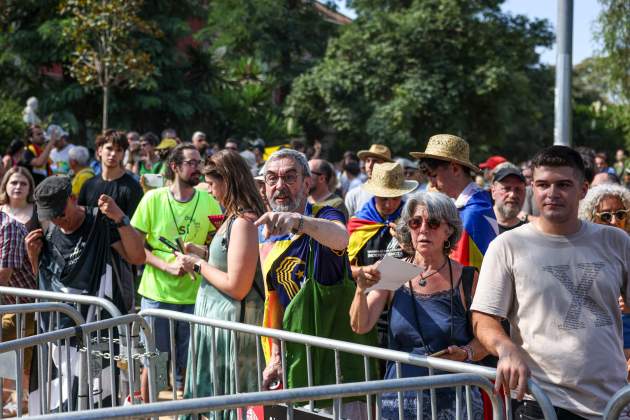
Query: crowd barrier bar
x,y
8,360
338,346
62,297
85,370
290,396
617,403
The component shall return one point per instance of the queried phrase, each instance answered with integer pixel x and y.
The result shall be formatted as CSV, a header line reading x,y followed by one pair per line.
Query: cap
x,y
492,162
51,197
506,171
168,143
55,128
406,163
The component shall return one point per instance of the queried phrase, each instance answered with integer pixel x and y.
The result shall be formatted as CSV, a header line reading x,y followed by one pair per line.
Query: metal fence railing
x,y
82,351
12,363
618,404
367,352
291,397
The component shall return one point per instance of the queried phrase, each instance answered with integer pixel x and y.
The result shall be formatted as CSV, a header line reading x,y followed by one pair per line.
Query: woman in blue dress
x,y
429,313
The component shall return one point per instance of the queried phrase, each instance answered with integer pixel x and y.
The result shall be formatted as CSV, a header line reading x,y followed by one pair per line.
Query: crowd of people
x,y
522,267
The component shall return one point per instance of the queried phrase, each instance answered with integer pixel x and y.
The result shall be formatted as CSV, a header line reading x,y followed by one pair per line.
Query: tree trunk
x,y
105,104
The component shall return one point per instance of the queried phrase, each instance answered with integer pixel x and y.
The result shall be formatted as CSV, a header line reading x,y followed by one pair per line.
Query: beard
x,y
508,211
191,181
293,203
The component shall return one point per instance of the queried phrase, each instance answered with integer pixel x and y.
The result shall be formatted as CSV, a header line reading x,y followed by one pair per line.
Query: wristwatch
x,y
197,267
123,222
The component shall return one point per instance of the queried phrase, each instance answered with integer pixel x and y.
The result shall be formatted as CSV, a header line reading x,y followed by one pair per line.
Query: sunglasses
x,y
607,216
416,223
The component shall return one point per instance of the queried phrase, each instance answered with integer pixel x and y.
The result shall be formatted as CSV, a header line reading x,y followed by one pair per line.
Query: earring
x,y
447,244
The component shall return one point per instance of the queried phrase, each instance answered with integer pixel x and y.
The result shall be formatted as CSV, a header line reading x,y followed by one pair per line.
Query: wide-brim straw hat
x,y
388,181
376,151
449,148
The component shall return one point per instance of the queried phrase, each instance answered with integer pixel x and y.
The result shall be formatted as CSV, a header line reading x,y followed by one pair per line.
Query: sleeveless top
x,y
427,329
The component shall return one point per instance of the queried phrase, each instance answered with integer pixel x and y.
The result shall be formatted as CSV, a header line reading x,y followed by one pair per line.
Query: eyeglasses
x,y
272,179
193,163
607,216
416,223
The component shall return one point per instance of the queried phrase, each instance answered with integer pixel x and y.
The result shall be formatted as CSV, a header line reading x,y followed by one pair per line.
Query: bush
x,y
11,124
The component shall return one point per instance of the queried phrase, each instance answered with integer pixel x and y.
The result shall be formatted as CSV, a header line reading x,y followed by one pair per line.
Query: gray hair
x,y
588,206
80,155
438,206
298,157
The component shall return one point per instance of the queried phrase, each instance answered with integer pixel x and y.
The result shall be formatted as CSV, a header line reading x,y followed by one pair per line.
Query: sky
x,y
584,15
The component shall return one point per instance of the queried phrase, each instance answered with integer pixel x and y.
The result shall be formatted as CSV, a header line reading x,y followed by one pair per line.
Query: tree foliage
x,y
613,33
409,69
105,52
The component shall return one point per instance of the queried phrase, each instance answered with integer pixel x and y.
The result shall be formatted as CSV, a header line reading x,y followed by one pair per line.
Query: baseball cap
x,y
492,162
506,171
51,197
167,143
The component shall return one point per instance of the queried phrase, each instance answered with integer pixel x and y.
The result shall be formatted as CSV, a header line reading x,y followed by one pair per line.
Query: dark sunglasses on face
x,y
607,216
416,223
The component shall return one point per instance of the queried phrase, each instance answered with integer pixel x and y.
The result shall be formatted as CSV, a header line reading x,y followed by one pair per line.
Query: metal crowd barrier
x,y
16,360
99,304
80,352
197,406
617,404
367,352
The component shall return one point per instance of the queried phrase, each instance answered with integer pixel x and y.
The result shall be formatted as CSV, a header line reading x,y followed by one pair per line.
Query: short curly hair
x,y
588,206
439,206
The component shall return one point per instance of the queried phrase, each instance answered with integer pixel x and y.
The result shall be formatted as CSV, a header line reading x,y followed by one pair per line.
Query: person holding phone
x,y
429,314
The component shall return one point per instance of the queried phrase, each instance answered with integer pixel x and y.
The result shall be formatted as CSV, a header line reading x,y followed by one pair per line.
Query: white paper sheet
x,y
395,273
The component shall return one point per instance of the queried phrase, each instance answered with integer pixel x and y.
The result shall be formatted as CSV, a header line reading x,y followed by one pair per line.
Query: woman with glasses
x,y
609,204
232,289
428,314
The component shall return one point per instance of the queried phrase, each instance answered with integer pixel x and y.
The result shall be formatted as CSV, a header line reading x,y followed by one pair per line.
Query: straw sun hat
x,y
376,151
388,181
449,148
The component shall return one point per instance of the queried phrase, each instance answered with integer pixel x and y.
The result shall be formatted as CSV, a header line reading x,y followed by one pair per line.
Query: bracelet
x,y
470,353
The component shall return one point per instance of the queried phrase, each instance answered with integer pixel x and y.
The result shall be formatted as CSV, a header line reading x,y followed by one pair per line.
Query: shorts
x,y
161,331
9,332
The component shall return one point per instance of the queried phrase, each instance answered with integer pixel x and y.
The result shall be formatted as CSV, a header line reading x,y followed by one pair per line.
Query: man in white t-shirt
x,y
559,293
60,154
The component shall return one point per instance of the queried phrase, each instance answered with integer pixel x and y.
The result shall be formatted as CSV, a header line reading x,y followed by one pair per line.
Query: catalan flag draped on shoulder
x,y
284,265
479,223
365,224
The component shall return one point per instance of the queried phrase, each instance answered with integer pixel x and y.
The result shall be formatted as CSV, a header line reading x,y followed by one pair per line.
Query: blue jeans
x,y
161,331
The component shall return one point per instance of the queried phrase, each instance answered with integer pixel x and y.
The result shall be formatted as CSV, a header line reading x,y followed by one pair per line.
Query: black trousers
x,y
530,410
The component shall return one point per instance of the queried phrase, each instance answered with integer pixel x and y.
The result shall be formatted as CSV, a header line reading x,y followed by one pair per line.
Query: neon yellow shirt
x,y
159,214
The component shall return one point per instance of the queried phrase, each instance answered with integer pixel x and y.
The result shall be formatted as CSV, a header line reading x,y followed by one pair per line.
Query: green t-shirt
x,y
157,168
159,214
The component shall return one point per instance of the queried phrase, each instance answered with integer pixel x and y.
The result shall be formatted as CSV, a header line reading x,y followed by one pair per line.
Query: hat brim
x,y
420,155
364,154
378,191
46,214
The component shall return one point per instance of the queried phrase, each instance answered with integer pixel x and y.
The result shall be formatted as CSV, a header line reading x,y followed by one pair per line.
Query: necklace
x,y
177,227
423,279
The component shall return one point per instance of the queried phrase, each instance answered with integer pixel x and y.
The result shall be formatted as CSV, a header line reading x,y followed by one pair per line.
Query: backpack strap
x,y
468,278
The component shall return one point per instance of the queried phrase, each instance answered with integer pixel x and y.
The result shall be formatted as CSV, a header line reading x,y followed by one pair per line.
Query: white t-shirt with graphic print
x,y
560,294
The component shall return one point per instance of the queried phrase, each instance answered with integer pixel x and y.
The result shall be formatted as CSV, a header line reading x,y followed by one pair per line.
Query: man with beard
x,y
37,154
323,184
508,193
303,247
177,211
